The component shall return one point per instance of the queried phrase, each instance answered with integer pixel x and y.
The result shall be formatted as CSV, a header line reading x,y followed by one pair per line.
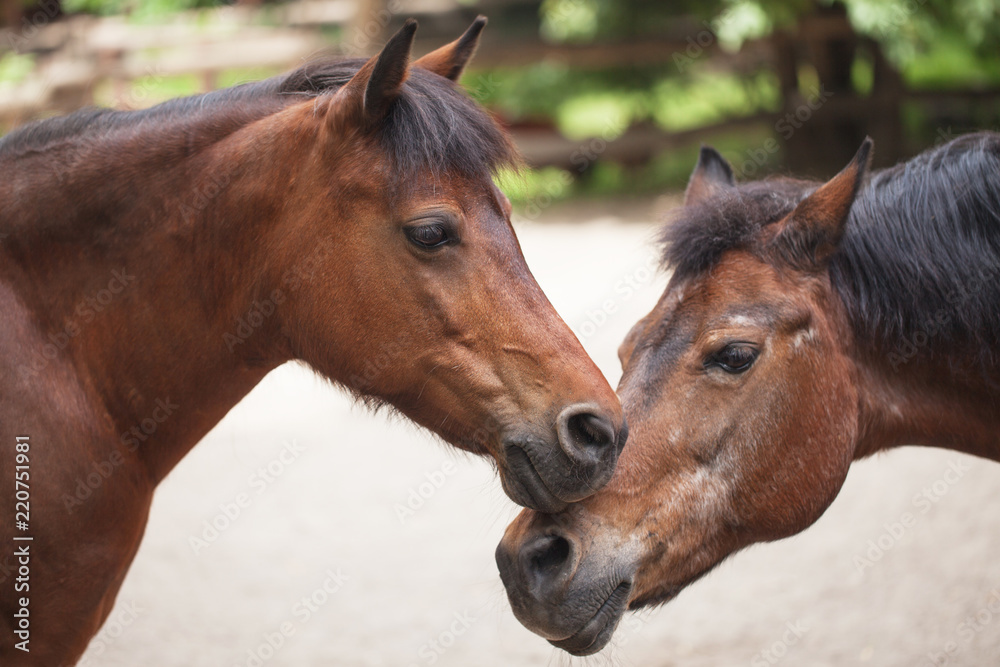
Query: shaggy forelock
x,y
432,125
696,236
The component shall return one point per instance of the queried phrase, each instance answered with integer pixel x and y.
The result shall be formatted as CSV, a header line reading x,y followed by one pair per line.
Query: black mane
x,y
432,125
919,263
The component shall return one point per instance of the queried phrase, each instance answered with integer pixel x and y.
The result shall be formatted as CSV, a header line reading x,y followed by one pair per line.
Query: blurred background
x,y
370,542
605,97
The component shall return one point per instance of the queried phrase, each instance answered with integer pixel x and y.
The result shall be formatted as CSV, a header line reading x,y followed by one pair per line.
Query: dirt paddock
x,y
306,531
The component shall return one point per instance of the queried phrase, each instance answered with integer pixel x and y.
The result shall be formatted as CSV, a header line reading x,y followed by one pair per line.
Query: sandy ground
x,y
321,564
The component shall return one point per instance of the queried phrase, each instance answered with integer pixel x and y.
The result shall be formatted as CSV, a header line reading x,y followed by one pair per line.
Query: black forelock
x,y
696,236
431,126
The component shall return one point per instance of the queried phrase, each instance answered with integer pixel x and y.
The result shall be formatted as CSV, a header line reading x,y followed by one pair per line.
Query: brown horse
x,y
156,265
805,326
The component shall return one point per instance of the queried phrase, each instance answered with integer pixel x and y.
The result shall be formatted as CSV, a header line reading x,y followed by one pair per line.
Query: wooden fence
x,y
76,55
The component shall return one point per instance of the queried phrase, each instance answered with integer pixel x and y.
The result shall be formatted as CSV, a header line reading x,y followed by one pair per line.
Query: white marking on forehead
x,y
804,336
742,321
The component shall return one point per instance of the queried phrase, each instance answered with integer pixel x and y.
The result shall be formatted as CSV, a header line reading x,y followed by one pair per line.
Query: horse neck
x,y
918,269
936,400
165,301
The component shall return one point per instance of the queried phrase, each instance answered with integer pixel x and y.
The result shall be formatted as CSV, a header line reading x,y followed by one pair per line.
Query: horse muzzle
x,y
570,594
547,473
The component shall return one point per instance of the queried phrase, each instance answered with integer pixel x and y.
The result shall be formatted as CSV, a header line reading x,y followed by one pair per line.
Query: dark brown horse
x,y
805,326
156,265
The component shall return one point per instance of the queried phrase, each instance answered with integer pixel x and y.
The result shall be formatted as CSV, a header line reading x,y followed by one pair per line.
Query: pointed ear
x,y
810,234
368,95
450,60
711,176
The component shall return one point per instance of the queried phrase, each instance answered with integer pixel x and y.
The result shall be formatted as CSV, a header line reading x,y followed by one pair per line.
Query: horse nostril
x,y
591,430
585,434
546,562
548,558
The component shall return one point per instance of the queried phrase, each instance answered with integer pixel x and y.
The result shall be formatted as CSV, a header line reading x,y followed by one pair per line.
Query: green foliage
x,y
683,104
745,20
533,189
587,103
863,74
906,28
149,90
532,185
570,20
935,44
236,76
139,9
732,20
14,67
949,63
525,92
933,37
600,114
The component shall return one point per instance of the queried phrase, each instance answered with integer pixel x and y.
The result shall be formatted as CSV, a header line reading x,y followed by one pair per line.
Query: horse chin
x,y
525,486
655,599
597,632
662,594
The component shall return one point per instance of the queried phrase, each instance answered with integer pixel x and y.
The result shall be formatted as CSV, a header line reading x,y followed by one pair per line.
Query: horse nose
x,y
588,437
546,473
545,564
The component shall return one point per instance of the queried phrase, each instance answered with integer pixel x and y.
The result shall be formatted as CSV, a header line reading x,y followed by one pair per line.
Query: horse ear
x,y
450,60
367,96
810,234
711,176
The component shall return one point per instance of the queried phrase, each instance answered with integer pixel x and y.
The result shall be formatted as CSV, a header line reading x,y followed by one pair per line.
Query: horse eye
x,y
735,358
428,236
